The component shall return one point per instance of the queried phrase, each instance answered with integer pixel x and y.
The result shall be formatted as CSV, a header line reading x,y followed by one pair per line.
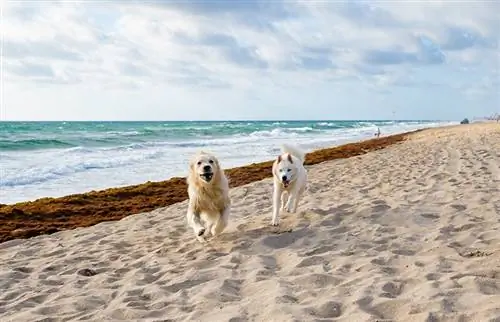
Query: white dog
x,y
208,190
290,178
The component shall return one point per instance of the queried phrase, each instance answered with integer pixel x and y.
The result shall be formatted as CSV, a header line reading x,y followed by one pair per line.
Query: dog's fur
x,y
289,178
208,190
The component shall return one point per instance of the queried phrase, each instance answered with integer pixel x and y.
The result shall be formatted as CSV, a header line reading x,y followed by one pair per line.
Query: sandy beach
x,y
409,232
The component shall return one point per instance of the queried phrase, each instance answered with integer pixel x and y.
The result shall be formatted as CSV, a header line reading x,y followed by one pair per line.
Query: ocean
x,y
52,159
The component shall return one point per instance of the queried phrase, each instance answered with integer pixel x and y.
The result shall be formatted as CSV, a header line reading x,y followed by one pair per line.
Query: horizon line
x,y
237,120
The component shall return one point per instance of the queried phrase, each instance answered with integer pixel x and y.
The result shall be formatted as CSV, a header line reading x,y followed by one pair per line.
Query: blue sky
x,y
252,59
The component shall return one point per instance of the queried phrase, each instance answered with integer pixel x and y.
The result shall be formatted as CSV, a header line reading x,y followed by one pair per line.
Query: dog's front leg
x,y
276,205
284,196
297,195
221,223
295,201
289,203
194,221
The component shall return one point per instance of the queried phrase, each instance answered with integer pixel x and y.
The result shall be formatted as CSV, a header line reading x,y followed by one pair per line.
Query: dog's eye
x,y
199,163
288,170
211,161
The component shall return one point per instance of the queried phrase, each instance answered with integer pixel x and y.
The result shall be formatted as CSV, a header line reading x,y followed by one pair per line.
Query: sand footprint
x,y
327,310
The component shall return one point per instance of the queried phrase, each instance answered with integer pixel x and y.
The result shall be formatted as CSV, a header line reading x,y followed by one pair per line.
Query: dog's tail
x,y
295,151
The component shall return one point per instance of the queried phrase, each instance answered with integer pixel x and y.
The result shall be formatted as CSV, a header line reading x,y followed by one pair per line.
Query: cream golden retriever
x,y
208,190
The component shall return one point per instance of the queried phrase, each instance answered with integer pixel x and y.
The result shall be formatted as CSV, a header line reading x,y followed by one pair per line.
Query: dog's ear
x,y
289,157
279,158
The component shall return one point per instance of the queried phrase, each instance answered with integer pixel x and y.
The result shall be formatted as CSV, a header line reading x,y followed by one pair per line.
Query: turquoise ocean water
x,y
40,159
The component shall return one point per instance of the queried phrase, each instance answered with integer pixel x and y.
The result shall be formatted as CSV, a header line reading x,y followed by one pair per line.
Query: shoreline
x,y
76,160
49,215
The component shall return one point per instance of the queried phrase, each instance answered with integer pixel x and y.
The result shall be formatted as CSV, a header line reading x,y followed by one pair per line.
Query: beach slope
x,y
405,233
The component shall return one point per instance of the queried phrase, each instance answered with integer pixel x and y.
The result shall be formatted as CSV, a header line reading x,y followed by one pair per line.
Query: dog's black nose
x,y
283,178
207,168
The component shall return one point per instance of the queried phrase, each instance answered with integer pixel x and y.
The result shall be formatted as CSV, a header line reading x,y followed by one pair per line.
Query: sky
x,y
249,60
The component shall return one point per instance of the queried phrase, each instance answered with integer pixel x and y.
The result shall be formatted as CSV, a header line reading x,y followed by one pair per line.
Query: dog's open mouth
x,y
207,176
285,183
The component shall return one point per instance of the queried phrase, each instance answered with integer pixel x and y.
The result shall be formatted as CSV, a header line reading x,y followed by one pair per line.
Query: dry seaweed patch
x,y
49,215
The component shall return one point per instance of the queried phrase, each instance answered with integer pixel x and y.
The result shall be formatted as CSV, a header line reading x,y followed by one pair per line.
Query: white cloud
x,y
252,59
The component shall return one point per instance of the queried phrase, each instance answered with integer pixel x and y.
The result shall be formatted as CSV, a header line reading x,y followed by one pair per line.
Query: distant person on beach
x,y
378,132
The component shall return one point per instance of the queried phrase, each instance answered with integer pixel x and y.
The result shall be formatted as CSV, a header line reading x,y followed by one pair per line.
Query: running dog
x,y
208,191
290,180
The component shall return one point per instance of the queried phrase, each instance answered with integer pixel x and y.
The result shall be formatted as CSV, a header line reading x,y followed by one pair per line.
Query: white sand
x,y
408,233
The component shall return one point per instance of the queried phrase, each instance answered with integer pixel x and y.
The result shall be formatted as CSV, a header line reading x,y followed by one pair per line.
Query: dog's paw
x,y
275,222
200,232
